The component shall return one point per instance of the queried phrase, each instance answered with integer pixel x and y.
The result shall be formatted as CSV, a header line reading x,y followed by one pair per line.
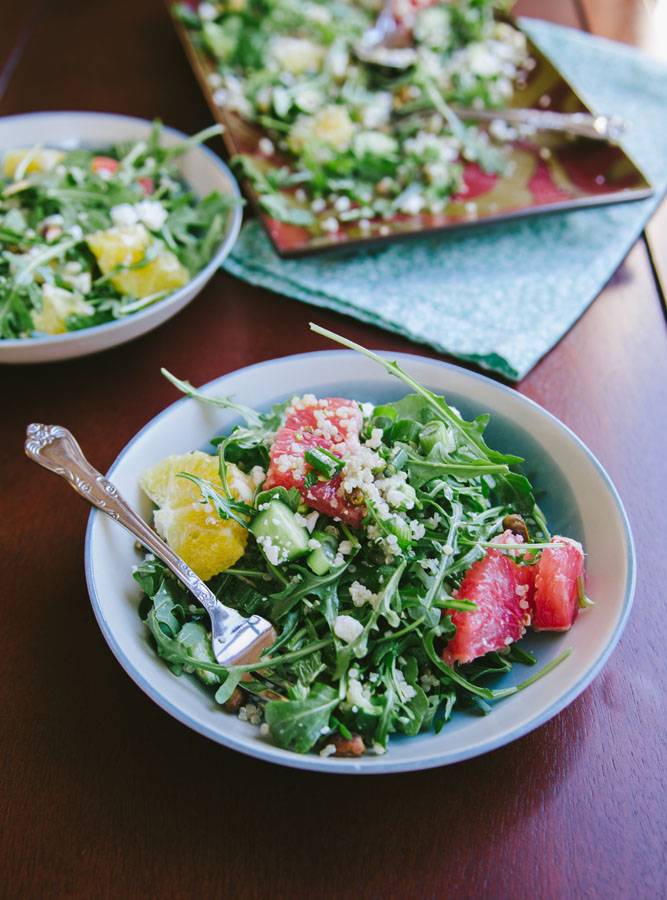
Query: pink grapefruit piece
x,y
332,424
556,598
499,619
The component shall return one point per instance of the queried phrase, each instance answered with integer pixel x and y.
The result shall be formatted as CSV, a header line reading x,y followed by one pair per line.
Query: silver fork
x,y
236,640
389,45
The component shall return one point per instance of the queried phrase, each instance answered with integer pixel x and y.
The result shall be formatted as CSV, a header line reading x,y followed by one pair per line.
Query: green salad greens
x,y
355,550
345,141
89,236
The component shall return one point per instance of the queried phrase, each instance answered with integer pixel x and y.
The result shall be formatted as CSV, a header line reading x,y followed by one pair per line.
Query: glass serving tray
x,y
548,171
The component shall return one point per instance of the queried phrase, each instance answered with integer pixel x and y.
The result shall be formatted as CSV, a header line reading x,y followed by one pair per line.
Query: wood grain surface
x,y
105,795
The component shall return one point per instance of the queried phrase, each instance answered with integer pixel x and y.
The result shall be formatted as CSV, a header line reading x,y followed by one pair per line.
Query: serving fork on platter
x,y
236,640
388,44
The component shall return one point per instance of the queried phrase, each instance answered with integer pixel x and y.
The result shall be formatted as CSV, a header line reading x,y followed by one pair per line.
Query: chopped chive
x,y
325,462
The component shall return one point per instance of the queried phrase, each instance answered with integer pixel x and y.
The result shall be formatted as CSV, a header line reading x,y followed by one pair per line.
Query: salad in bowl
x,y
400,559
575,497
95,233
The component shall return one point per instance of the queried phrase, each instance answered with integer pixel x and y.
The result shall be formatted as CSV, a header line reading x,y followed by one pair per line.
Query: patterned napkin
x,y
498,295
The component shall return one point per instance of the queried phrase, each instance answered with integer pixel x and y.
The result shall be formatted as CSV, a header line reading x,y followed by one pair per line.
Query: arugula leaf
x,y
252,418
323,587
228,687
195,640
226,508
289,496
511,487
439,463
297,724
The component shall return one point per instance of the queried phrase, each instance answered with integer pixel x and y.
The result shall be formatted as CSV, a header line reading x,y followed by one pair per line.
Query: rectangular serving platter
x,y
547,171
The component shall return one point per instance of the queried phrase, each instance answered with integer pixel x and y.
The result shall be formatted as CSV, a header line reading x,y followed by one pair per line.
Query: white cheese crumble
x,y
124,215
266,146
347,628
406,690
152,213
329,224
207,12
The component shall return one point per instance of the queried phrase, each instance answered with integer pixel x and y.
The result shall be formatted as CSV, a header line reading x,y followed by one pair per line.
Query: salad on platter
x,y
88,236
347,142
399,558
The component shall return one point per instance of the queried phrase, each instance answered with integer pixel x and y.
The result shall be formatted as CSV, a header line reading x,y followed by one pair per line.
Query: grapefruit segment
x,y
499,619
332,424
556,589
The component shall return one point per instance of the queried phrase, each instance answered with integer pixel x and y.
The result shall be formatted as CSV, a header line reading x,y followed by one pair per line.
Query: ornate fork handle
x,y
55,448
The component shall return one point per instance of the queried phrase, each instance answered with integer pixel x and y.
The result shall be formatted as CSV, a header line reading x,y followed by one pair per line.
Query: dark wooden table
x,y
104,795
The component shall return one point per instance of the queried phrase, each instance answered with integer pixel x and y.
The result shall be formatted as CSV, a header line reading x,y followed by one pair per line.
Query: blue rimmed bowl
x,y
201,169
579,500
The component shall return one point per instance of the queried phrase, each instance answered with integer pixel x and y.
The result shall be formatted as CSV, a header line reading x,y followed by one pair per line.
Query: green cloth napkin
x,y
498,295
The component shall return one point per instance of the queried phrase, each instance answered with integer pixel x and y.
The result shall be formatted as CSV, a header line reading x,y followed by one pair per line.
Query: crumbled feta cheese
x,y
412,204
55,219
152,213
207,12
428,680
329,224
257,476
311,520
328,750
81,283
266,146
406,690
124,215
347,628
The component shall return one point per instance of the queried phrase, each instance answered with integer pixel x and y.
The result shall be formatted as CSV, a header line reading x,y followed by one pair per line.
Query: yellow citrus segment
x,y
127,245
119,246
57,305
164,273
207,543
41,161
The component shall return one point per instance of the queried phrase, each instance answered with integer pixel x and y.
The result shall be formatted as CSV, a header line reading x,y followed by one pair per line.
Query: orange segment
x,y
208,544
42,161
126,246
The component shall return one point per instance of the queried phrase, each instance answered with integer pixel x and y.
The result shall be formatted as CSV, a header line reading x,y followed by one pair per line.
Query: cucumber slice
x,y
278,534
321,558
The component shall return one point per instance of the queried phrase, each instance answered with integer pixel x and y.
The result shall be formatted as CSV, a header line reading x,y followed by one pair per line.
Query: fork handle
x,y
56,449
600,128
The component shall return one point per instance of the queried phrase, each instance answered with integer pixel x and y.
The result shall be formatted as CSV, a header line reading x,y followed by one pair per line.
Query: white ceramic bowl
x,y
580,501
202,170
